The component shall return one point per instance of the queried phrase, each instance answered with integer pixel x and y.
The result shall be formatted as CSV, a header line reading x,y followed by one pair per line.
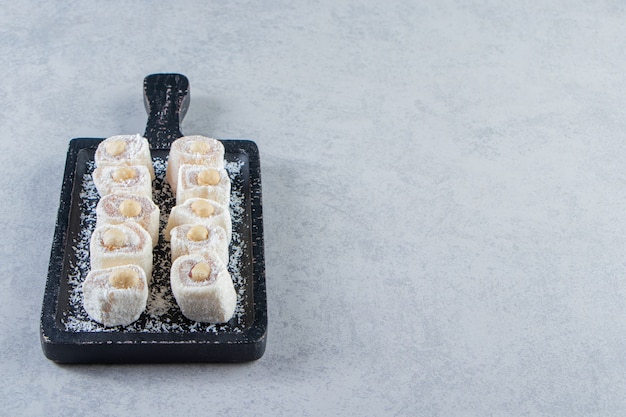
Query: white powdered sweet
x,y
200,211
133,179
190,239
197,150
209,299
111,304
121,244
202,182
120,208
125,150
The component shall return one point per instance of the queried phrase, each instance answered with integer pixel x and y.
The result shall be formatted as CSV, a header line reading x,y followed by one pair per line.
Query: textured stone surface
x,y
443,189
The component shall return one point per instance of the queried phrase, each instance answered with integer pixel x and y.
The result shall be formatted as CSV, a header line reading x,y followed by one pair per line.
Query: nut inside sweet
x,y
130,208
200,272
198,233
115,147
123,174
208,177
199,147
202,208
124,278
114,238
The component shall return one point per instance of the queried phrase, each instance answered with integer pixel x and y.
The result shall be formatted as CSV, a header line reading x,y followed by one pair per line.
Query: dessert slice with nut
x,y
121,208
125,150
188,239
115,296
203,288
121,244
202,182
133,179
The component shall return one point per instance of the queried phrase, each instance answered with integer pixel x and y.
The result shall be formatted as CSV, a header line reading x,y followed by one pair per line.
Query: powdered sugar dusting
x,y
162,314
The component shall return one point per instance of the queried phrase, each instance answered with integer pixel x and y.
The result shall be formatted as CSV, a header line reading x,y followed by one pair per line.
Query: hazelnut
x,y
124,278
114,238
202,208
123,174
115,147
199,147
208,177
198,233
130,208
200,272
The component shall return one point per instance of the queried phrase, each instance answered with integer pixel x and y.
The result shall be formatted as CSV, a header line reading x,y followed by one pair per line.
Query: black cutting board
x,y
162,333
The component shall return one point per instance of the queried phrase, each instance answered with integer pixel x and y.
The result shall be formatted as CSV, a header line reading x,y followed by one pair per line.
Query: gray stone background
x,y
444,195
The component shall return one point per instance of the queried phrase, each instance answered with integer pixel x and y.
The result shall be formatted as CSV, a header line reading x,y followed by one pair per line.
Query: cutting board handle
x,y
166,98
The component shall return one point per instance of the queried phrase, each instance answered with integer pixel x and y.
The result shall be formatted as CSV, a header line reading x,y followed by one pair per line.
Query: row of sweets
x,y
115,291
199,229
